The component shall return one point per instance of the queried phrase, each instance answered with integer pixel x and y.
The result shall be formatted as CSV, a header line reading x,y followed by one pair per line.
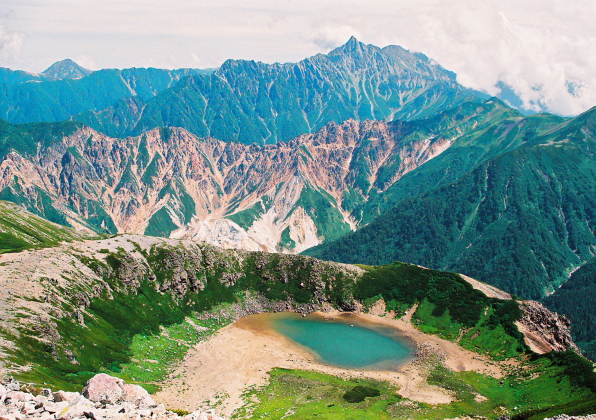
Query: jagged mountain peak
x,y
400,59
65,69
354,47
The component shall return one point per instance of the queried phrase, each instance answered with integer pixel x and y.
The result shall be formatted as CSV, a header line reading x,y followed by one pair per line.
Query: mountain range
x,y
363,155
289,196
519,213
244,101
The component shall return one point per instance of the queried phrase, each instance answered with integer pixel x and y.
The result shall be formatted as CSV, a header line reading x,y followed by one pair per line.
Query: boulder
x,y
28,408
159,411
2,393
138,396
12,385
104,389
19,396
55,408
41,400
80,406
66,396
144,413
82,401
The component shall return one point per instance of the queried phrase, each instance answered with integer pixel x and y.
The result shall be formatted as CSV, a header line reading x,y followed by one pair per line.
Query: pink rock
x,y
66,396
19,396
104,388
51,407
28,408
138,396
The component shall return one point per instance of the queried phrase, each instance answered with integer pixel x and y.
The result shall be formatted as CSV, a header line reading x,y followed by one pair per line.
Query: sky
x,y
543,49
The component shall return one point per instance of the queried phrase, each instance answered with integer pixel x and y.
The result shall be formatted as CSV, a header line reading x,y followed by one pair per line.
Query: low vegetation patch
x,y
449,307
298,394
359,393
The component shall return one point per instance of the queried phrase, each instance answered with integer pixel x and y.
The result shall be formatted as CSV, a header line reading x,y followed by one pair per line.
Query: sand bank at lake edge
x,y
216,372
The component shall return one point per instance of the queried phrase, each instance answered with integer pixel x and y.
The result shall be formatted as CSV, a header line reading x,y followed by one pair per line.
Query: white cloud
x,y
525,43
10,46
330,37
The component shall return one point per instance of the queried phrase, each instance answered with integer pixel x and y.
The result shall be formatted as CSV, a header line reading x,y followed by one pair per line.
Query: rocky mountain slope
x,y
167,182
246,101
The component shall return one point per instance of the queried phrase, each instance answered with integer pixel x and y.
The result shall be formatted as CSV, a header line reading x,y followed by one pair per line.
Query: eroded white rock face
x,y
223,233
104,397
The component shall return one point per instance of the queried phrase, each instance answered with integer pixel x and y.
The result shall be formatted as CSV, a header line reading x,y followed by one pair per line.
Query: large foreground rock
x,y
106,389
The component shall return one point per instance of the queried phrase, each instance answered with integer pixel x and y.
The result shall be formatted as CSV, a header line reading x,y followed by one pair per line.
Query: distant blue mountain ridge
x,y
245,101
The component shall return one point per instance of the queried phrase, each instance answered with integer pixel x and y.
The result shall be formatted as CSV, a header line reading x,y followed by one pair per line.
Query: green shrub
x,y
359,393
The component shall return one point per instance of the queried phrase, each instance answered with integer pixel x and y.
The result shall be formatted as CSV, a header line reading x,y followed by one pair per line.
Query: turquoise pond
x,y
346,342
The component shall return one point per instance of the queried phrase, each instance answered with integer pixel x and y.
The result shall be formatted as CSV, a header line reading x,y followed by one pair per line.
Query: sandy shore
x,y
216,372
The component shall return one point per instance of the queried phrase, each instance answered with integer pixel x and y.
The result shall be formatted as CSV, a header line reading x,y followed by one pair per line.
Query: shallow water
x,y
347,342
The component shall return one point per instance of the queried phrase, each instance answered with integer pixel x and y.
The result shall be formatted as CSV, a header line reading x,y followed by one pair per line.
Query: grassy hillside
x,y
21,230
521,220
577,299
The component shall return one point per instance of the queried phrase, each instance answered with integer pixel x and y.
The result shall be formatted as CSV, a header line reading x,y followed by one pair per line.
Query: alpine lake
x,y
345,341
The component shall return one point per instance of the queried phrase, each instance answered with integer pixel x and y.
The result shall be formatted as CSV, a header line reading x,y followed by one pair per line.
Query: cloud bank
x,y
10,45
542,49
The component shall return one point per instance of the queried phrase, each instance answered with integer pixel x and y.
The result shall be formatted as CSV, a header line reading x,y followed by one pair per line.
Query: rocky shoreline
x,y
104,397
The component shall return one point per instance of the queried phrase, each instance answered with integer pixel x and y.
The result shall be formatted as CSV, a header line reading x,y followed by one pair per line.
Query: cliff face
x,y
545,331
288,196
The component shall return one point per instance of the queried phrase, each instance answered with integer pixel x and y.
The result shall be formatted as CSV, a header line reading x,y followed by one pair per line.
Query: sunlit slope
x,y
21,230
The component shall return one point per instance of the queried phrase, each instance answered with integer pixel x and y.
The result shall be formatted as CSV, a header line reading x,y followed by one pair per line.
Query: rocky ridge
x,y
545,331
284,197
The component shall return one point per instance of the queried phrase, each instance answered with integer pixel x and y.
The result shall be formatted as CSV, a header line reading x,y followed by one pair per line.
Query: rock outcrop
x,y
545,331
104,397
